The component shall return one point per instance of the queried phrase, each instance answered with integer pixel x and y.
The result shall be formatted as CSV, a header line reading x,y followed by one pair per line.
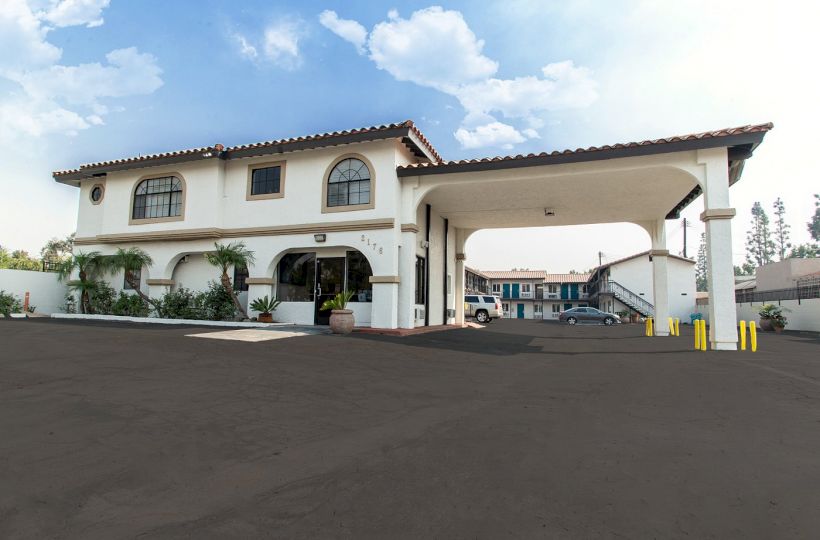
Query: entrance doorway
x,y
330,280
520,313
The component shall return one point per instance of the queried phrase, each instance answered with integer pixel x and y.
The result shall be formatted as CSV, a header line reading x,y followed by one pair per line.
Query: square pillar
x,y
458,288
385,301
407,277
660,290
717,216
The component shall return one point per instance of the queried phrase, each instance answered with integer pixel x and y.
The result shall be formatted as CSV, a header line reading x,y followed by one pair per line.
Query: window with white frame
x,y
552,288
526,287
496,287
556,308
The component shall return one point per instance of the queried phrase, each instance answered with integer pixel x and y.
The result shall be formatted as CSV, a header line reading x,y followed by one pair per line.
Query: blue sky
x,y
87,80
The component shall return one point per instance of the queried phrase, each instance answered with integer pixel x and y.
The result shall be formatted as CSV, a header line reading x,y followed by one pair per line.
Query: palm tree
x,y
85,264
224,257
131,261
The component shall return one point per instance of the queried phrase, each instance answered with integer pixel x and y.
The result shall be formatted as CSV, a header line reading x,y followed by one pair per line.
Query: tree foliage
x,y
700,266
226,256
58,250
18,260
814,224
781,229
760,248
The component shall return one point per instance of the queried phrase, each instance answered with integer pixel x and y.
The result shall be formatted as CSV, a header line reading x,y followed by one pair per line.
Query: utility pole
x,y
600,256
684,238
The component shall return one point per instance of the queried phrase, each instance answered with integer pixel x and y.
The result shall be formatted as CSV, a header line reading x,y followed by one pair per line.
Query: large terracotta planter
x,y
625,319
265,317
341,321
766,325
635,317
778,329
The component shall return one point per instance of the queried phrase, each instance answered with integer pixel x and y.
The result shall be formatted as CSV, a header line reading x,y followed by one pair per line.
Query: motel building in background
x,y
379,212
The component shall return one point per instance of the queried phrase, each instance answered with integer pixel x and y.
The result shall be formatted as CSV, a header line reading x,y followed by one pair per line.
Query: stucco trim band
x,y
212,232
409,227
461,257
658,252
718,213
259,281
384,279
159,281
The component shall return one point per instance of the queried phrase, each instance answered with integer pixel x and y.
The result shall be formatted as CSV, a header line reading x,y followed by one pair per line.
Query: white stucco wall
x,y
46,292
636,275
804,315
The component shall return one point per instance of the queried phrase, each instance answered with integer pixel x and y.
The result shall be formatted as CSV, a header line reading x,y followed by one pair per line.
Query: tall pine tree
x,y
781,229
759,244
700,266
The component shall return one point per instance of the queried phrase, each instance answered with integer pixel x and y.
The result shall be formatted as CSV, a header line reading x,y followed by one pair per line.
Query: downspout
x,y
427,266
446,231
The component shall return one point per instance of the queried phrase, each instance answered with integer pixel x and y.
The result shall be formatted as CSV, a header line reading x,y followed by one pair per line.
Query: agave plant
x,y
338,302
225,257
264,305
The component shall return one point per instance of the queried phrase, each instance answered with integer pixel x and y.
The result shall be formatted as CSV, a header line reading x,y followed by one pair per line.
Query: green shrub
x,y
182,304
130,305
218,303
9,304
215,304
70,303
102,298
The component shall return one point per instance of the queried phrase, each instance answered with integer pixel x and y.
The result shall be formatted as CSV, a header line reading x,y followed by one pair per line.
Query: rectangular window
x,y
358,277
556,308
471,299
489,299
537,308
421,277
496,287
552,288
525,287
297,276
137,279
266,181
239,277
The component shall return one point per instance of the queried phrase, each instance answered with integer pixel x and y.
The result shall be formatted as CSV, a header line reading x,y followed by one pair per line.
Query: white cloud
x,y
432,48
76,12
278,45
436,48
48,97
282,44
492,134
346,29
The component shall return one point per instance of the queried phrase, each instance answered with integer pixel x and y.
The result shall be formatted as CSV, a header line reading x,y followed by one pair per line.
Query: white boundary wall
x,y
803,316
47,293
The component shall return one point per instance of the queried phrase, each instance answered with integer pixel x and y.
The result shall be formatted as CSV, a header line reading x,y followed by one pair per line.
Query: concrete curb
x,y
154,320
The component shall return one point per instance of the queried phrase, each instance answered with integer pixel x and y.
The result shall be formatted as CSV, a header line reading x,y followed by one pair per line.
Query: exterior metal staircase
x,y
628,297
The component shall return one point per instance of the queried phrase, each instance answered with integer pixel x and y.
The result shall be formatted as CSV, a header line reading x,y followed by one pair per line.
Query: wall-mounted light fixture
x,y
424,244
549,212
321,237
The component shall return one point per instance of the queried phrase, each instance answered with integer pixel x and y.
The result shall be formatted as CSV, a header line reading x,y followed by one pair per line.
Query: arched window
x,y
158,198
348,183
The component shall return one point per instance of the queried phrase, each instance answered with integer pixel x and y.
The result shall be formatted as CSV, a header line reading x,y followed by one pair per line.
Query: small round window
x,y
96,194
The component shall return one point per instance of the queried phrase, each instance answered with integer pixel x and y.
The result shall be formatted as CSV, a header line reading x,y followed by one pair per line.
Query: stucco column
x,y
717,216
259,287
385,301
458,285
660,277
407,276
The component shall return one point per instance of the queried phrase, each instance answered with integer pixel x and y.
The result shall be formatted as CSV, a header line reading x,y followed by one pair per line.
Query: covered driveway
x,y
645,183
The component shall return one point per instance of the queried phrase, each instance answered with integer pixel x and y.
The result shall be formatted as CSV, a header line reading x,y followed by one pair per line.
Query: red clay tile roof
x,y
566,278
758,128
219,148
515,274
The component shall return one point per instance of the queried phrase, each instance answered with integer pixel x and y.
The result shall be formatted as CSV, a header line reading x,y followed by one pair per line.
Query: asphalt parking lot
x,y
522,429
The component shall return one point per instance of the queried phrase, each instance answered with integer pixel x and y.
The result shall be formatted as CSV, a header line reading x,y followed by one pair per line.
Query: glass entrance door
x,y
330,280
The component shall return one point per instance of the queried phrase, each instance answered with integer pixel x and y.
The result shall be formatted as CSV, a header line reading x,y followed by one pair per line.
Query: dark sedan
x,y
587,315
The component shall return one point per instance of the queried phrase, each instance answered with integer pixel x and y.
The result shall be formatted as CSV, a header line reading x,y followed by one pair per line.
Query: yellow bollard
x,y
677,327
646,327
697,334
703,335
742,335
753,335
651,326
671,326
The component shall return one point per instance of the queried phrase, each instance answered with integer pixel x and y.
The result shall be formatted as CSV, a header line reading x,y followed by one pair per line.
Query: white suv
x,y
484,308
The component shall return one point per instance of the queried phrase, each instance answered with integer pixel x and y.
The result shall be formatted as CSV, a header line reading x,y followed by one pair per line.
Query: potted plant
x,y
341,318
265,307
771,318
624,315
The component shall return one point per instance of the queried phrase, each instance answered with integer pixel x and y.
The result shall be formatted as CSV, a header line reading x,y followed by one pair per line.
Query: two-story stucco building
x,y
378,211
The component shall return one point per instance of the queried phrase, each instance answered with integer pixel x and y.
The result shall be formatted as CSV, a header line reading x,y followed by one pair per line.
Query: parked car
x,y
588,315
483,308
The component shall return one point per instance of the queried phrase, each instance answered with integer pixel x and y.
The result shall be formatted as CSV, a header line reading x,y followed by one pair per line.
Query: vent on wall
x,y
419,313
451,314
